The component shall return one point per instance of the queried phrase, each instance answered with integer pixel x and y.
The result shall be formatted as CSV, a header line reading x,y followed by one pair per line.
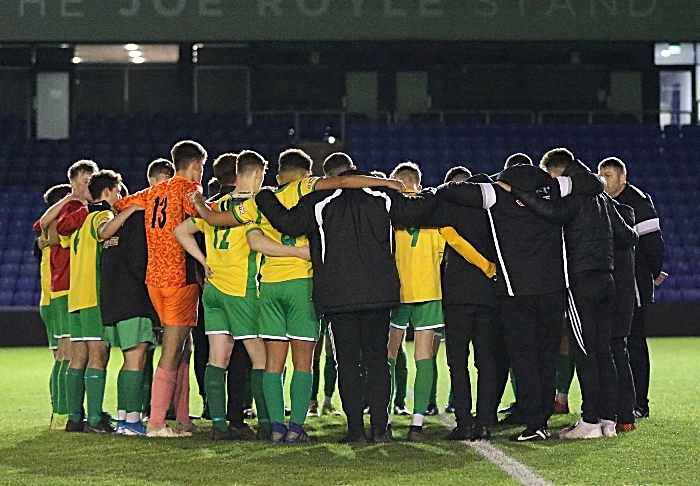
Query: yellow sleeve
x,y
199,223
308,185
102,217
468,252
246,211
64,241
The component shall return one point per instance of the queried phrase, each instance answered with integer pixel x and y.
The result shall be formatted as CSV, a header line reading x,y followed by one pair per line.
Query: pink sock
x,y
182,394
161,394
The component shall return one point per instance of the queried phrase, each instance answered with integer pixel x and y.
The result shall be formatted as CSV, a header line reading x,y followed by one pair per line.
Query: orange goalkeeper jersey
x,y
167,205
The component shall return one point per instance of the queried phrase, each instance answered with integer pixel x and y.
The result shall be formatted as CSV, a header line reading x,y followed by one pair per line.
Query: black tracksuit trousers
x,y
532,325
593,293
639,356
362,338
481,326
237,378
625,384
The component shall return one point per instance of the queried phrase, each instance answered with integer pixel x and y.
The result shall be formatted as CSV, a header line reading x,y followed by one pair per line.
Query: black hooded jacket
x,y
351,234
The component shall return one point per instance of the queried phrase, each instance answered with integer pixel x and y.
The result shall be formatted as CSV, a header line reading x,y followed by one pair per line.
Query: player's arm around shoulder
x,y
211,216
107,229
268,247
296,221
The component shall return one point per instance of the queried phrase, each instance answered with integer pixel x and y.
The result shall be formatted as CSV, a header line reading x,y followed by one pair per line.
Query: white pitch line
x,y
515,469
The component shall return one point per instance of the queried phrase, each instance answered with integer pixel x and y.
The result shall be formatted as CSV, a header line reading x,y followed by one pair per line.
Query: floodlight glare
x,y
674,49
135,53
76,60
331,139
138,60
131,47
665,53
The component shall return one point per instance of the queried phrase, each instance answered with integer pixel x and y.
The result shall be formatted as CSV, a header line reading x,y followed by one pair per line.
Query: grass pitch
x,y
663,450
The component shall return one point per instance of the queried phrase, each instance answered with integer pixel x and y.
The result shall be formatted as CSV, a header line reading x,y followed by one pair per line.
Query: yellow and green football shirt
x,y
418,256
45,275
233,263
85,249
280,269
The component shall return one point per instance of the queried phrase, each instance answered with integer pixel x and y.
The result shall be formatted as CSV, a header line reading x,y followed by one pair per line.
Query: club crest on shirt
x,y
310,183
241,209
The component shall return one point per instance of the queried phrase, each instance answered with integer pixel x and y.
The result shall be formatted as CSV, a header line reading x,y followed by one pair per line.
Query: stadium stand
x,y
663,163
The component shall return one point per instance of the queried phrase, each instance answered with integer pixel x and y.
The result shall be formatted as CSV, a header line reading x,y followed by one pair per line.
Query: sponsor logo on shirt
x,y
113,241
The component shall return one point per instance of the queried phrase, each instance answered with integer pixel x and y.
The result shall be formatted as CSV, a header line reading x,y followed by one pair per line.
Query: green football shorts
x,y
286,311
60,314
129,333
86,325
48,316
422,316
228,314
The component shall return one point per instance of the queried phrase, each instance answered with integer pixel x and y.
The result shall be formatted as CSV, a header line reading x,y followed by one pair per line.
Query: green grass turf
x,y
662,451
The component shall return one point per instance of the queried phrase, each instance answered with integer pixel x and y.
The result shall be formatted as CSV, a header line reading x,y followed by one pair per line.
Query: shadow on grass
x,y
198,460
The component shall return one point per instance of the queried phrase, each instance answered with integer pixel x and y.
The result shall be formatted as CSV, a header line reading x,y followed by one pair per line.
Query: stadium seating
x,y
663,163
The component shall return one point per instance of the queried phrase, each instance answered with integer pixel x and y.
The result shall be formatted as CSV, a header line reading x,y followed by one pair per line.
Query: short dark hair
x,y
185,152
160,167
213,186
337,163
379,173
457,171
517,159
104,179
409,168
292,160
558,158
56,193
81,167
615,163
225,168
249,161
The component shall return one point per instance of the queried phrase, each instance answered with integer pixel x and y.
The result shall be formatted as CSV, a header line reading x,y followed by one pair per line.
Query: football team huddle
x,y
543,270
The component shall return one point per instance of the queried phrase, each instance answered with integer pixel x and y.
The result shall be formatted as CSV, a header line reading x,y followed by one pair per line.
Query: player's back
x,y
280,269
166,206
418,256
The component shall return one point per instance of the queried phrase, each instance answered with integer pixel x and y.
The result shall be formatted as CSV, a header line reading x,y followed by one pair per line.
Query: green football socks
x,y
62,389
565,372
75,388
401,379
422,385
300,392
273,390
433,387
129,389
392,374
215,389
330,376
95,392
256,383
53,386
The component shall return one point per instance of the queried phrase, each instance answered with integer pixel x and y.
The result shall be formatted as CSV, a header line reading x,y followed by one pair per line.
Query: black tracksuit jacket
x,y
351,238
625,299
462,282
529,249
650,253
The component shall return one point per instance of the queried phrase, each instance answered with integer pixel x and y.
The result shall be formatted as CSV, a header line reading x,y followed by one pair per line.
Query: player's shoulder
x,y
636,192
